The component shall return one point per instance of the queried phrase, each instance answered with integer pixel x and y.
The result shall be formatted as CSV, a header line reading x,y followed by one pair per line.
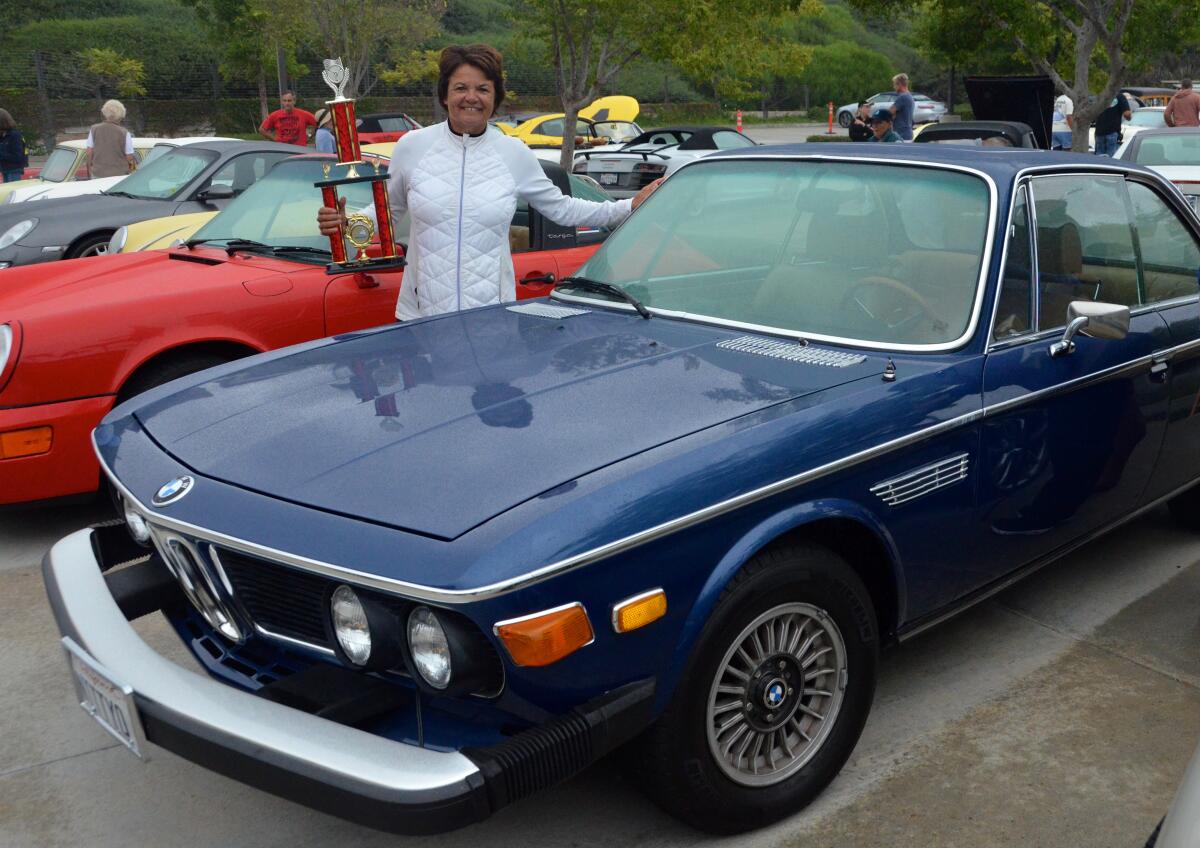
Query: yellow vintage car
x,y
68,162
159,233
607,119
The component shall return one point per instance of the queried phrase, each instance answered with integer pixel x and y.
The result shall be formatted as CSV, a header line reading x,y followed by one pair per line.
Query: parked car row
x,y
806,402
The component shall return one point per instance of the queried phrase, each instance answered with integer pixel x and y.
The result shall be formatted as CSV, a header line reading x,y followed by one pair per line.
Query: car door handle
x,y
544,278
1158,370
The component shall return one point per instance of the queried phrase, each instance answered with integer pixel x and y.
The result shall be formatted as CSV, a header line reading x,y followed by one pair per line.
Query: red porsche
x,y
83,335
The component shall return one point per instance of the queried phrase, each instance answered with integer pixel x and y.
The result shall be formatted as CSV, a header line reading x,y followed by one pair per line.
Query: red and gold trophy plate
x,y
359,229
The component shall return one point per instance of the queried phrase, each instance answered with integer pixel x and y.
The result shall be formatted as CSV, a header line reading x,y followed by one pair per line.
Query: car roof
x,y
1001,164
1153,131
223,146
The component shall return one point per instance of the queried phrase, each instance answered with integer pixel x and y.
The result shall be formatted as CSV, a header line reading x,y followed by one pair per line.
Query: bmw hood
x,y
437,426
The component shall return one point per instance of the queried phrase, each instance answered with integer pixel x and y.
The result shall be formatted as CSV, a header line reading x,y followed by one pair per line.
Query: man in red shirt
x,y
288,125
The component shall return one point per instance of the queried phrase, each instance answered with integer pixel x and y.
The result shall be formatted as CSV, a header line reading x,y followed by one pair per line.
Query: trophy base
x,y
366,266
361,178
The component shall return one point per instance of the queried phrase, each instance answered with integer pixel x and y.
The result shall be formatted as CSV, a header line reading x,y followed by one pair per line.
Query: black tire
x,y
93,245
845,119
1185,509
168,369
679,764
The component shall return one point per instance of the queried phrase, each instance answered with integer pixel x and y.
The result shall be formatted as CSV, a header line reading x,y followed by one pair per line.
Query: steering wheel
x,y
912,298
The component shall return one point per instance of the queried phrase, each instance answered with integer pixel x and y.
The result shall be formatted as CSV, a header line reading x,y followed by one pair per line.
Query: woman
x,y
13,160
860,127
324,136
110,145
459,181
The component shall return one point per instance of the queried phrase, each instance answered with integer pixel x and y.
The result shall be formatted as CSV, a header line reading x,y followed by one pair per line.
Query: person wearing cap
x,y
324,136
881,126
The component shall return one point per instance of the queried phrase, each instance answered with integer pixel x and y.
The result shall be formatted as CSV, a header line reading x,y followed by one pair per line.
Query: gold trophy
x,y
359,229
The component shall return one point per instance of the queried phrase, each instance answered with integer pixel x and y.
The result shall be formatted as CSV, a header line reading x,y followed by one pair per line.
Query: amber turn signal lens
x,y
546,637
29,442
640,610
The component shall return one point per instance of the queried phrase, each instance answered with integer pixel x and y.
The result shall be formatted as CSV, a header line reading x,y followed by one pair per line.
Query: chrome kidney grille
x,y
205,587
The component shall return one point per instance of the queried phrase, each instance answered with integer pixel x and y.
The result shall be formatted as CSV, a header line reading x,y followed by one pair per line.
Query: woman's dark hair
x,y
487,59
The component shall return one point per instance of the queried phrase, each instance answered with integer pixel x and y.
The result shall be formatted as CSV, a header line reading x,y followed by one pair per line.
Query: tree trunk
x,y
571,110
262,94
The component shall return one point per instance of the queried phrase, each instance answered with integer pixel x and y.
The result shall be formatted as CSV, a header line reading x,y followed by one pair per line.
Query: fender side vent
x,y
547,310
922,481
792,351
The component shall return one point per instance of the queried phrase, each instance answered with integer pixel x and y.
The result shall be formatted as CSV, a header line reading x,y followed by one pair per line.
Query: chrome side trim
x,y
980,286
923,481
288,640
416,591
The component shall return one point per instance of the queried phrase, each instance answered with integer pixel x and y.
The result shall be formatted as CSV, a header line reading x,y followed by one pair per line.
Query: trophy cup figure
x,y
359,229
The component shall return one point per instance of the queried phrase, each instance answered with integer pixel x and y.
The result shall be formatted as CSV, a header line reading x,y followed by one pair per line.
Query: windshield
x,y
59,165
281,209
1169,149
1147,118
881,254
155,152
168,174
617,131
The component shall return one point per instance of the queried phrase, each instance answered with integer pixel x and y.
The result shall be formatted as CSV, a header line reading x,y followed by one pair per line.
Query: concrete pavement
x,y
1062,713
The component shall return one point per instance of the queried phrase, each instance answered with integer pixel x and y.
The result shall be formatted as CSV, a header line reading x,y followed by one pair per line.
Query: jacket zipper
x,y
462,184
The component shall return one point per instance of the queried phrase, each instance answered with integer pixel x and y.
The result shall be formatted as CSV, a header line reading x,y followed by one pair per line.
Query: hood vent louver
x,y
792,351
191,257
547,310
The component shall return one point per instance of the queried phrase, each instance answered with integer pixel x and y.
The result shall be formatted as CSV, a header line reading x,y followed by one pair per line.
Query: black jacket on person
x,y
12,151
860,132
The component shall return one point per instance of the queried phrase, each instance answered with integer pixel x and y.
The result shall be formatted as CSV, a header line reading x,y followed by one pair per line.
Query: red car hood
x,y
35,285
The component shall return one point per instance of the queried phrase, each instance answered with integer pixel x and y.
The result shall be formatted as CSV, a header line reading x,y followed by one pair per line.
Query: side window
x,y
242,172
730,140
1170,256
552,127
1014,313
1084,245
518,230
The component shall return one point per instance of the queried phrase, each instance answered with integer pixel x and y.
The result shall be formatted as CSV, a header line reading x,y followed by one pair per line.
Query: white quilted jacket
x,y
461,193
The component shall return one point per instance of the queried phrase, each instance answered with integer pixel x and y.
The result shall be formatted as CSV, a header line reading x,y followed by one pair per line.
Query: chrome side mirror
x,y
1098,320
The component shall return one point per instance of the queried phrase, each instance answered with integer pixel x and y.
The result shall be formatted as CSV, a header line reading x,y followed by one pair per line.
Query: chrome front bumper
x,y
329,766
315,761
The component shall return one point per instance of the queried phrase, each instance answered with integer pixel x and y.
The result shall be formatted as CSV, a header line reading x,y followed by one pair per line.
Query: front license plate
x,y
609,179
110,703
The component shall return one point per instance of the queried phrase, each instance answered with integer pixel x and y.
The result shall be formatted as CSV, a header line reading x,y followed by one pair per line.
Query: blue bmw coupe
x,y
807,402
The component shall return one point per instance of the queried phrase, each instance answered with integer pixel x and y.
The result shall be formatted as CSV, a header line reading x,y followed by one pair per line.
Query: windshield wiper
x,y
248,245
606,288
295,248
121,194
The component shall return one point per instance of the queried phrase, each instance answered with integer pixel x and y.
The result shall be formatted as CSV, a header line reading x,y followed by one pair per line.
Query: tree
x,y
591,41
360,32
843,72
415,66
107,70
1079,44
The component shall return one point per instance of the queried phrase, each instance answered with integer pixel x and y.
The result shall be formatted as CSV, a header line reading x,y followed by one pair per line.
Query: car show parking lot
x,y
1062,712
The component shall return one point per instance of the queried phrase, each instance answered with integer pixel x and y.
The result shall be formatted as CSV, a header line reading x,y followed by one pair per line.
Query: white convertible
x,y
74,188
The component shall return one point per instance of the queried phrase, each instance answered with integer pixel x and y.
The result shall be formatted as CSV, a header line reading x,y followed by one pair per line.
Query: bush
x,y
844,72
834,137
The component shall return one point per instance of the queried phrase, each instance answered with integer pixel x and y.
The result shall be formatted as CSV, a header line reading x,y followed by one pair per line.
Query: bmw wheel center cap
x,y
775,692
173,490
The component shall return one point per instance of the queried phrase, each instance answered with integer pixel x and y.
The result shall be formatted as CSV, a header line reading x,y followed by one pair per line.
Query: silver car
x,y
653,154
927,109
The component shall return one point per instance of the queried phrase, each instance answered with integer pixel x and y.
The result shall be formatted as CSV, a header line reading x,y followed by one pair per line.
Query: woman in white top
x,y
459,181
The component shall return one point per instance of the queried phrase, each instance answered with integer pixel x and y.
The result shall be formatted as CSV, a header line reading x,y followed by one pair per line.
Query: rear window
x,y
1169,149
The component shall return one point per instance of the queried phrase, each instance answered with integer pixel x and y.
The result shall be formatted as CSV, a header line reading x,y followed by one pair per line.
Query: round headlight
x,y
16,232
429,647
350,624
117,243
138,529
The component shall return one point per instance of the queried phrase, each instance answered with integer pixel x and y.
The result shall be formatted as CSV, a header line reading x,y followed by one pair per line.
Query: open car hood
x,y
615,107
437,426
1029,100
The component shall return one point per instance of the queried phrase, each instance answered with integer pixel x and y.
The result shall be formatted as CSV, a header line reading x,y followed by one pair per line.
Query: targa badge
x,y
173,490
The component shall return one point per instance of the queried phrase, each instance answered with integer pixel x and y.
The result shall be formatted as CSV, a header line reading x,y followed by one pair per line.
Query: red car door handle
x,y
365,281
543,278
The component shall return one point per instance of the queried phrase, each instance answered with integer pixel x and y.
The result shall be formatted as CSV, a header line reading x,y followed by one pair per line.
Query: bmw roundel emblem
x,y
173,490
775,694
